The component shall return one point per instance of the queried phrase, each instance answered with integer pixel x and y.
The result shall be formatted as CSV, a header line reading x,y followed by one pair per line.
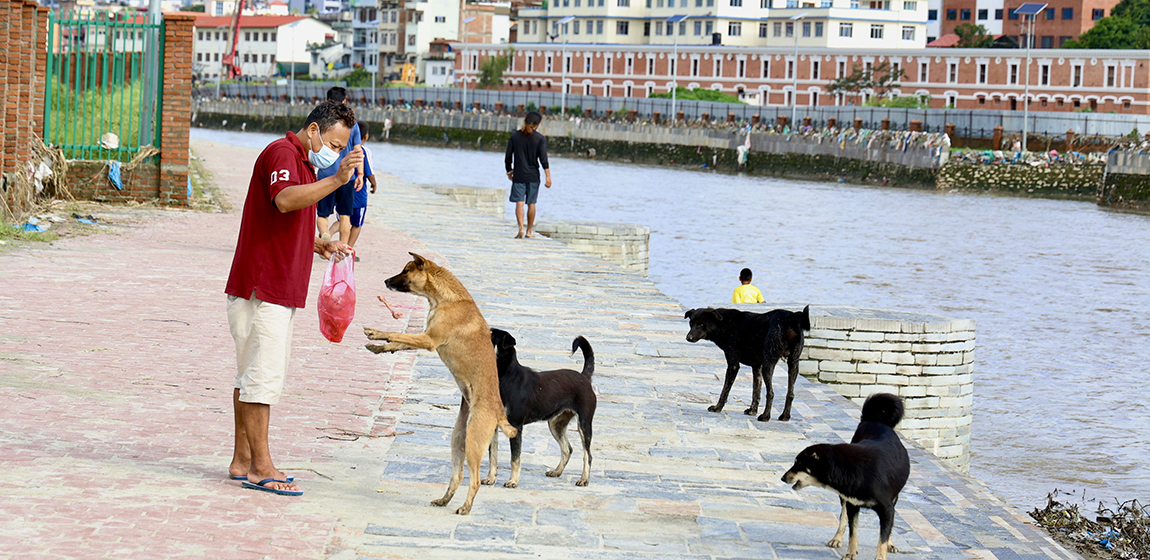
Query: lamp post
x,y
675,64
563,62
795,69
291,72
1029,10
463,24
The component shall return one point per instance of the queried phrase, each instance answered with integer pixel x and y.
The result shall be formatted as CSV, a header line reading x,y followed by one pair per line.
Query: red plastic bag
x,y
337,298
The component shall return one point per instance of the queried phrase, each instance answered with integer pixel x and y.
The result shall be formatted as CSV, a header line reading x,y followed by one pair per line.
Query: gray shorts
x,y
528,192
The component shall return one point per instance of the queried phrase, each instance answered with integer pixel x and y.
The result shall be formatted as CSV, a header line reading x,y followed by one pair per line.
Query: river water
x,y
1059,289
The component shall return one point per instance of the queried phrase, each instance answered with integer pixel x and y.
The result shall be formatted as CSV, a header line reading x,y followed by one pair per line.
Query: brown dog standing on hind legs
x,y
457,331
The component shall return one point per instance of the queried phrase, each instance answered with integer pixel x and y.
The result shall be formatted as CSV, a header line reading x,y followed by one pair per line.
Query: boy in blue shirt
x,y
328,204
357,209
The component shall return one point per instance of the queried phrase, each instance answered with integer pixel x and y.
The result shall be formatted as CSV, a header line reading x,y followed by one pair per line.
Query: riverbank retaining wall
x,y
1057,180
1126,185
627,245
926,359
881,157
488,201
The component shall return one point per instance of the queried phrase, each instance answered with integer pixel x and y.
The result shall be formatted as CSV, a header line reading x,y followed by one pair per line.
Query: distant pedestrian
x,y
746,293
327,206
387,128
353,202
526,153
270,273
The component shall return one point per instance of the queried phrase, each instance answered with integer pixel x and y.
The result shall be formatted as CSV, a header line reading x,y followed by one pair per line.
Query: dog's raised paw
x,y
373,334
511,484
554,473
378,348
440,502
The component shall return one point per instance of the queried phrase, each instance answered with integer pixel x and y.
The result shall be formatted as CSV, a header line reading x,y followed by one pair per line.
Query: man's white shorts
x,y
262,332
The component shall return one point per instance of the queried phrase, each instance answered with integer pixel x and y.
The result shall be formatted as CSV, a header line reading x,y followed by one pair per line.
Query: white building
x,y
263,42
365,24
428,20
861,24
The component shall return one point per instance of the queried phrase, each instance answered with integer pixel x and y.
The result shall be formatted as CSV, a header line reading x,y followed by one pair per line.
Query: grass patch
x,y
78,117
9,233
698,94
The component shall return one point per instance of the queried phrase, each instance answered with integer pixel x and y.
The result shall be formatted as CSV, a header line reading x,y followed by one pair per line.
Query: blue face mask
x,y
325,157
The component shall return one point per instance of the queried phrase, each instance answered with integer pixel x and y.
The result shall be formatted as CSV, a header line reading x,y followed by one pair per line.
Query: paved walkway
x,y
115,369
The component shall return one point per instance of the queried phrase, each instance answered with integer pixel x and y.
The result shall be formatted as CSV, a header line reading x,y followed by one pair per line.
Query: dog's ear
x,y
508,341
689,313
419,261
715,312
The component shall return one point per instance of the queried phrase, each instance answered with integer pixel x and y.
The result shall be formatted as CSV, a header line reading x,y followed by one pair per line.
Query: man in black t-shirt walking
x,y
527,148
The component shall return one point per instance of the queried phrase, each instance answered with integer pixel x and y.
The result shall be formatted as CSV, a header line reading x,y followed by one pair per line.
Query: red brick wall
x,y
176,111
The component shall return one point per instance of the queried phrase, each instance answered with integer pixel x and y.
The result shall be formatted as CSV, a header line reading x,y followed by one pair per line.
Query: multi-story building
x,y
392,30
1098,80
1061,21
857,24
365,24
263,42
489,23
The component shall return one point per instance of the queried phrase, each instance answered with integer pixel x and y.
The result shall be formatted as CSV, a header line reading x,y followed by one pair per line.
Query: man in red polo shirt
x,y
270,273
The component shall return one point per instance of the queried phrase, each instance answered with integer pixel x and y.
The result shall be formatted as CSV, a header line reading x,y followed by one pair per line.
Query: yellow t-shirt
x,y
747,294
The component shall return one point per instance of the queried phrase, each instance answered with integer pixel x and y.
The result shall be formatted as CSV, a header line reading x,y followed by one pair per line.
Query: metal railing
x,y
969,123
97,84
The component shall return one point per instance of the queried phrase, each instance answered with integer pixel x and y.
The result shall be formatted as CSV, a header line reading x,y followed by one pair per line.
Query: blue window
x,y
1098,14
998,14
1013,15
932,15
1049,14
1067,13
952,14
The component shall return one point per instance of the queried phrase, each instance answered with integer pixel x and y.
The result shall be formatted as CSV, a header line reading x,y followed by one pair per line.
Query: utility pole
x,y
463,26
1029,10
563,61
675,64
795,70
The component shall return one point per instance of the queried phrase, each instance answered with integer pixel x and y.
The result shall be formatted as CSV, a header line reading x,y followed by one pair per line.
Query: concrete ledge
x,y
927,359
625,244
486,200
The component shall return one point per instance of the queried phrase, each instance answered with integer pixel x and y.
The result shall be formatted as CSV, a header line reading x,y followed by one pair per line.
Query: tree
x,y
971,36
492,68
1113,32
877,79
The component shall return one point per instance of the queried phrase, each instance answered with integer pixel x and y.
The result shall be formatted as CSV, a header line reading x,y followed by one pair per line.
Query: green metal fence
x,y
101,101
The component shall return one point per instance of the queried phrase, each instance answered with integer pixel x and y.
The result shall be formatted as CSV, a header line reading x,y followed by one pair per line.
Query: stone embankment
x,y
1126,184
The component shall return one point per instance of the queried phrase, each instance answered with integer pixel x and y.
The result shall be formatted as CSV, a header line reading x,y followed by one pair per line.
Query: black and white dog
x,y
868,472
758,340
555,396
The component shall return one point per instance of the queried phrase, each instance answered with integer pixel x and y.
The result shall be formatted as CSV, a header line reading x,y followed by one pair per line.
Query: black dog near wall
x,y
758,340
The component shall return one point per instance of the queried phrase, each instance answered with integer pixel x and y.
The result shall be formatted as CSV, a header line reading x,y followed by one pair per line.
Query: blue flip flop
x,y
261,486
289,479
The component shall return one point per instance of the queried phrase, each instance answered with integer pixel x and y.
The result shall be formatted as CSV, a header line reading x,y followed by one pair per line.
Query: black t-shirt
x,y
529,153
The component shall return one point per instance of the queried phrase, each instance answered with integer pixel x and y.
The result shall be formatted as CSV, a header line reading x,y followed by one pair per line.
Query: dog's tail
x,y
883,408
804,318
508,429
581,343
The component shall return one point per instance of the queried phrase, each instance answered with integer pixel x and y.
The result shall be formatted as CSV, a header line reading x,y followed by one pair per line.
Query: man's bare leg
x,y
255,418
242,455
345,228
519,216
321,225
530,220
354,236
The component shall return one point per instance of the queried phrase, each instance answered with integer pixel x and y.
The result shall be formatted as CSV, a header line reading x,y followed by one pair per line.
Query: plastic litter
x,y
114,175
337,298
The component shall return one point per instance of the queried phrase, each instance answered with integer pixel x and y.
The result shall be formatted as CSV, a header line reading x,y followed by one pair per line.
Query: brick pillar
x,y
949,129
458,104
41,69
478,106
705,117
25,99
438,103
781,121
176,111
499,107
730,117
1069,141
5,69
655,117
858,123
632,114
520,109
886,124
419,103
832,122
996,139
755,118
679,116
806,122
588,112
915,125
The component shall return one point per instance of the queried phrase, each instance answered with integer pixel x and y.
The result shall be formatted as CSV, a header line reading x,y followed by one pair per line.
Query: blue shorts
x,y
528,192
357,216
326,205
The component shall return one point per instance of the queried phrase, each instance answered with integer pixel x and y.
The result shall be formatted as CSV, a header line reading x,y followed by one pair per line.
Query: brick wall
x,y
176,111
22,25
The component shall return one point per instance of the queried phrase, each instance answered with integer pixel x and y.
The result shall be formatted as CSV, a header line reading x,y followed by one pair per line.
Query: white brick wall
x,y
928,360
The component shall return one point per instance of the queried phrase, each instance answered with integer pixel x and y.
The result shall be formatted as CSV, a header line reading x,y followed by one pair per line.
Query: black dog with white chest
x,y
870,471
758,340
556,396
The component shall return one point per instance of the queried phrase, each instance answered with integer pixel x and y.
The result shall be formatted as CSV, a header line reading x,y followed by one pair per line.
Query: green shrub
x,y
698,94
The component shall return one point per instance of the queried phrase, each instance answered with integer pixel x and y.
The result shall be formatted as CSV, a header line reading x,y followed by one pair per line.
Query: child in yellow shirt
x,y
746,293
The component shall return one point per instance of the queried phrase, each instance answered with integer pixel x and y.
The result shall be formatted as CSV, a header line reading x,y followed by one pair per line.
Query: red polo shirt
x,y
274,252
